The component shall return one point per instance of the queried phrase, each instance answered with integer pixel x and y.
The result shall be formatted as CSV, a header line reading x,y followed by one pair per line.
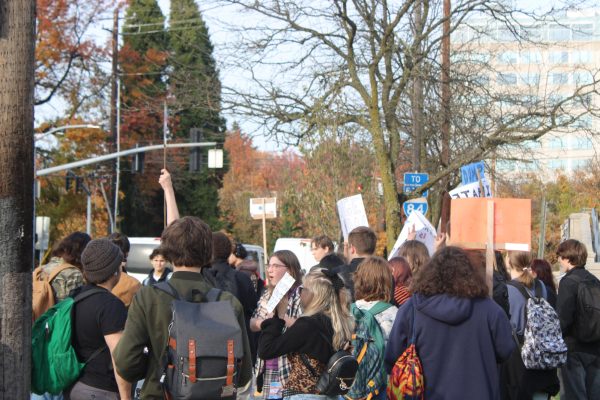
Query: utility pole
x,y
114,99
417,98
17,46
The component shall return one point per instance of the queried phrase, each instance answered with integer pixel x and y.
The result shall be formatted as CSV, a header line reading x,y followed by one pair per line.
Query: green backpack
x,y
54,364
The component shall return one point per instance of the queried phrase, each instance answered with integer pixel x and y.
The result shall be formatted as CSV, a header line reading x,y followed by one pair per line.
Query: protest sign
x,y
425,232
469,172
280,290
352,214
471,190
511,223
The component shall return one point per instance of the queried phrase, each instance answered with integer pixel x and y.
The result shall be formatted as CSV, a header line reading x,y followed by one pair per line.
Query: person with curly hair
x,y
461,334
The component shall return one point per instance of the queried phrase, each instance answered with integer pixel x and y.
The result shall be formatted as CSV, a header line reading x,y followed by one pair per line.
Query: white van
x,y
139,266
301,248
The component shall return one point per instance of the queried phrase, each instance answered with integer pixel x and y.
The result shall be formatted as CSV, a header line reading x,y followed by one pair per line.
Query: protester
x,y
320,246
460,333
67,256
373,284
361,243
160,272
98,324
238,259
415,253
187,244
127,286
581,373
272,373
520,382
325,326
329,262
542,270
402,275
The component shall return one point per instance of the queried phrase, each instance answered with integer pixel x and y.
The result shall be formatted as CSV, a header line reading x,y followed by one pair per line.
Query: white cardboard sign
x,y
280,290
471,190
426,233
352,214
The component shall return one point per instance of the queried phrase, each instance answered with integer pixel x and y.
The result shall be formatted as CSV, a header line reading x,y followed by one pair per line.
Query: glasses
x,y
276,266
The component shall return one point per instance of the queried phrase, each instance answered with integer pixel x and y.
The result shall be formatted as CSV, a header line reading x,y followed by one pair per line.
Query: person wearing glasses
x,y
272,374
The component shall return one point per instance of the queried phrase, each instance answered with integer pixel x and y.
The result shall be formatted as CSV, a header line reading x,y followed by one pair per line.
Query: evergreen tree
x,y
143,61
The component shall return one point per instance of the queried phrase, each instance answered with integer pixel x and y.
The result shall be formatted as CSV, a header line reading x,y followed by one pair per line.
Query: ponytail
x,y
520,261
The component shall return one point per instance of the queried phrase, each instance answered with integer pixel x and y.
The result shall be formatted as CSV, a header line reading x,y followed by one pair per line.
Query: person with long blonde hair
x,y
325,326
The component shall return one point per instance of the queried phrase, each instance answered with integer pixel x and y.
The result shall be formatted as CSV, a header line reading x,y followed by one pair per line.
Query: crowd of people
x,y
469,343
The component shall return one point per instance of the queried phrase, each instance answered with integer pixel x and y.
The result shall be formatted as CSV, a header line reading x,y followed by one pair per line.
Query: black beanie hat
x,y
100,259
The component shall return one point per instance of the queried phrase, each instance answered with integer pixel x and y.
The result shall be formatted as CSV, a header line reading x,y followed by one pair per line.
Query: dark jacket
x,y
460,341
566,307
347,273
311,336
500,292
147,326
149,281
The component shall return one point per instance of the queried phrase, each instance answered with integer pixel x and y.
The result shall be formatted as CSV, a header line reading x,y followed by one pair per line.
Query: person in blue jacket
x,y
461,333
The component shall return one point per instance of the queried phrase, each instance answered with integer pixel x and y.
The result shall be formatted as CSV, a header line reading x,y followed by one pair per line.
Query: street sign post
x,y
412,181
263,208
419,204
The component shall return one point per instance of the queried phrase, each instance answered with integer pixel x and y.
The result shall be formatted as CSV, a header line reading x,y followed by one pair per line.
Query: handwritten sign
x,y
471,190
468,172
352,214
425,232
281,289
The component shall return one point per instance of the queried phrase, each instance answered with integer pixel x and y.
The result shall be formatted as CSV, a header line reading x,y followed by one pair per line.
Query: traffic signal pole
x,y
106,157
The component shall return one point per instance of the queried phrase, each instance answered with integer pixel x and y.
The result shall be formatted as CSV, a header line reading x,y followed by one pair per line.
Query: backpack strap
x,y
306,363
378,308
166,287
58,270
521,288
82,296
213,295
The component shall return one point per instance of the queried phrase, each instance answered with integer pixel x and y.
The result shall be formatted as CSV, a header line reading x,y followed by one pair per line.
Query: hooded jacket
x,y
460,341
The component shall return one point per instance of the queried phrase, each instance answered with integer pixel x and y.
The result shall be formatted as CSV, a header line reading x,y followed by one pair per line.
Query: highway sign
x,y
415,204
413,181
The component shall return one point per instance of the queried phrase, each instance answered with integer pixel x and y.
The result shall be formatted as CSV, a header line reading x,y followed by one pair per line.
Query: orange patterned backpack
x,y
406,382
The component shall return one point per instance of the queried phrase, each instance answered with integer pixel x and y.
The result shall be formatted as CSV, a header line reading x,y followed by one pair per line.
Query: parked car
x,y
138,263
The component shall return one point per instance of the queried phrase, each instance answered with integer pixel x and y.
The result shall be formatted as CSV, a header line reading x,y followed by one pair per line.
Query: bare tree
x,y
17,30
356,62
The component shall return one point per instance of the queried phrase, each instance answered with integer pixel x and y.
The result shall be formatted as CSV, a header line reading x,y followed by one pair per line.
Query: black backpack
x,y
204,347
339,374
587,319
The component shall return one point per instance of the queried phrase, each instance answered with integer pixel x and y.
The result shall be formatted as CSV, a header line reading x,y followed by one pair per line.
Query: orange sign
x,y
511,223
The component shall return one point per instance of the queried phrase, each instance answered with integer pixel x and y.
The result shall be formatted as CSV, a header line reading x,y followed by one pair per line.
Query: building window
x,y
583,32
582,143
533,33
559,57
583,78
531,57
559,78
508,57
559,33
581,57
507,78
504,34
584,122
557,164
505,165
555,143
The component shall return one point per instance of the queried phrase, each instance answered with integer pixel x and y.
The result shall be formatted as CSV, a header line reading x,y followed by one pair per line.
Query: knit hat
x,y
100,259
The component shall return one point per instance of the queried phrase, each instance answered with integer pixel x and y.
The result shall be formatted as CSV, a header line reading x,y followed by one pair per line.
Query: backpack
x,y
406,381
43,294
204,347
587,319
339,373
54,363
223,279
543,345
368,344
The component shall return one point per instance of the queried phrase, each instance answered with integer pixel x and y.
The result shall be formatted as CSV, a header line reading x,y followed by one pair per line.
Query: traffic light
x,y
196,135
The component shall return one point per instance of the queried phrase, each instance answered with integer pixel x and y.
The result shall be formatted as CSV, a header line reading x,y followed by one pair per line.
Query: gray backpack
x,y
543,344
204,349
